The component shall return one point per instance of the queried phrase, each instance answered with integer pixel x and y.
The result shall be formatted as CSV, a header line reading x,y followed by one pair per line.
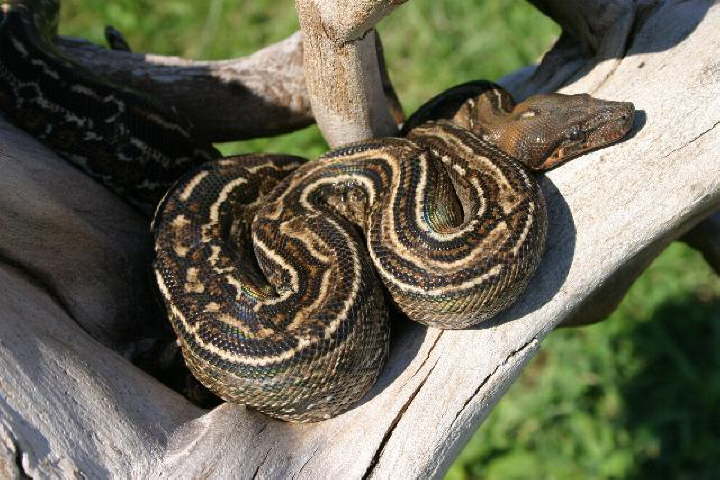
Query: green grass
x,y
636,396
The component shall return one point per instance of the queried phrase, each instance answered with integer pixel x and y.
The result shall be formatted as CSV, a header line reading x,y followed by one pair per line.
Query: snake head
x,y
548,129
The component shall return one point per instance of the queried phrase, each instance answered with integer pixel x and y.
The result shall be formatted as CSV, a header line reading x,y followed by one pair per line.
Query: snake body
x,y
274,270
289,315
121,137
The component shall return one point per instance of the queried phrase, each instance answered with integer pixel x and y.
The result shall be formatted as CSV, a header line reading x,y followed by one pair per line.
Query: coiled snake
x,y
272,268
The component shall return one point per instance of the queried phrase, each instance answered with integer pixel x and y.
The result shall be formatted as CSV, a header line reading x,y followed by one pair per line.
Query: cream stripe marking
x,y
299,178
358,178
422,260
190,186
302,315
308,241
269,164
448,289
529,222
178,224
499,98
214,213
45,68
192,283
281,263
287,354
420,206
19,46
214,258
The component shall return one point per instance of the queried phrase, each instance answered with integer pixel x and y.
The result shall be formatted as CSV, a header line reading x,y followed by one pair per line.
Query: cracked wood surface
x,y
71,405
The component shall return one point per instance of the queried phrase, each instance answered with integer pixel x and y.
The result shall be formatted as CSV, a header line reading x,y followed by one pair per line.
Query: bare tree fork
x,y
71,406
342,71
259,95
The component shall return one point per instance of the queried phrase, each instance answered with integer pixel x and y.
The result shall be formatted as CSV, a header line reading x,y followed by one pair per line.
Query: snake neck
x,y
540,132
488,117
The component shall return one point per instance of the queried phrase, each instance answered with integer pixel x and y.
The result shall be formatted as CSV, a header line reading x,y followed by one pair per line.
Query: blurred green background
x,y
637,396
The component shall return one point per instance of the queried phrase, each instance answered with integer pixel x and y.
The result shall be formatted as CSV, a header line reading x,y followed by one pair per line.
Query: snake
x,y
279,274
126,140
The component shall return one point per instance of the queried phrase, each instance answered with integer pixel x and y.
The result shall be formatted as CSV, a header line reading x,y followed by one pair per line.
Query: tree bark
x,y
73,259
342,71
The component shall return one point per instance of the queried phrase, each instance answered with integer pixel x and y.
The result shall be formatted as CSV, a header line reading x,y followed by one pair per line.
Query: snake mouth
x,y
611,126
618,123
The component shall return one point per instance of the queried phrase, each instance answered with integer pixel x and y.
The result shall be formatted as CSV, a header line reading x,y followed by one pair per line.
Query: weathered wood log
x,y
72,263
342,72
594,39
258,95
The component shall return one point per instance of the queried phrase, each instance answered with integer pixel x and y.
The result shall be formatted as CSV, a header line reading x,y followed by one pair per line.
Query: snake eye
x,y
575,134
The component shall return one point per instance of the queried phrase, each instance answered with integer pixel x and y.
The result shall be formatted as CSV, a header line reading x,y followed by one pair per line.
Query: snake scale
x,y
276,271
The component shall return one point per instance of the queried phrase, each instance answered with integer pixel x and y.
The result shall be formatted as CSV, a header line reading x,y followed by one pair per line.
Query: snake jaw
x,y
563,127
616,124
611,124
